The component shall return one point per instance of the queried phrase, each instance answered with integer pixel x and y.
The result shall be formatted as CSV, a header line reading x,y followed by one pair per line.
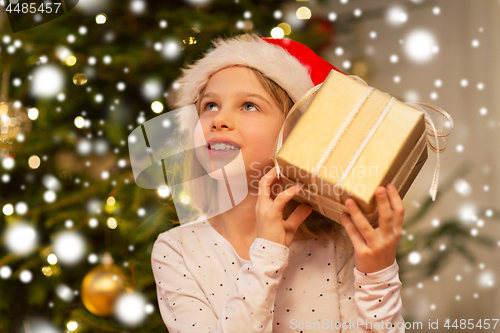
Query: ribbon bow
x,y
437,137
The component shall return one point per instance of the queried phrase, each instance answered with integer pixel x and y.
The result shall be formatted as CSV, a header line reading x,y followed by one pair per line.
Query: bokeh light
x,y
47,81
152,88
101,18
157,107
277,32
414,258
130,308
111,201
72,325
79,122
34,162
8,163
396,15
20,238
71,61
5,272
462,187
420,45
33,113
21,208
303,13
486,279
8,209
163,191
69,247
26,276
93,222
52,259
64,292
111,223
49,196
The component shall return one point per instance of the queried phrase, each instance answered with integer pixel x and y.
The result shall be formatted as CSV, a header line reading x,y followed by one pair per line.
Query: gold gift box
x,y
355,134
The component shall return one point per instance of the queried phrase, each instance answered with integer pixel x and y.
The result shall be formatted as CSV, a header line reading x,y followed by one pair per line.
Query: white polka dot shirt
x,y
204,286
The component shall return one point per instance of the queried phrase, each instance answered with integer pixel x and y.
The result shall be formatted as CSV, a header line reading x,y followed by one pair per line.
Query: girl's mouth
x,y
220,149
222,153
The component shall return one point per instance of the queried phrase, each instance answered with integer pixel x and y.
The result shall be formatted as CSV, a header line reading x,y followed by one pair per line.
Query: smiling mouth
x,y
223,146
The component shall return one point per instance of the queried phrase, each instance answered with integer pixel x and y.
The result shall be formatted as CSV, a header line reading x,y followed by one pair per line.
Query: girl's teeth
x,y
222,146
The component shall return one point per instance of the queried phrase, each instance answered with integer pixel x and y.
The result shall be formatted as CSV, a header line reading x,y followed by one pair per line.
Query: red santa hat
x,y
292,65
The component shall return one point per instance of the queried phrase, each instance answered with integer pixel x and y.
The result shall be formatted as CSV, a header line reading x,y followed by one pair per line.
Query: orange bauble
x,y
102,286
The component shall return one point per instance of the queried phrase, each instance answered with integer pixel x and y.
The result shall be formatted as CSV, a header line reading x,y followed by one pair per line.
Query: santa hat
x,y
290,64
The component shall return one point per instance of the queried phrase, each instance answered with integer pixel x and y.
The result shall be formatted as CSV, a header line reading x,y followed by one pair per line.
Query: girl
x,y
270,264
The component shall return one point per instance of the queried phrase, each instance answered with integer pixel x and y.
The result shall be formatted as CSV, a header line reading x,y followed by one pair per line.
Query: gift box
x,y
352,139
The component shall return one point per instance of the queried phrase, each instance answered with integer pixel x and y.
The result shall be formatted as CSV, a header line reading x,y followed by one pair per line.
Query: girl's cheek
x,y
199,137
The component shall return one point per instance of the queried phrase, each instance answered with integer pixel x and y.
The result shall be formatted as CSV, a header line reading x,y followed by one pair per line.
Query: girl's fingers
x,y
285,196
298,216
397,207
265,185
357,239
361,223
384,211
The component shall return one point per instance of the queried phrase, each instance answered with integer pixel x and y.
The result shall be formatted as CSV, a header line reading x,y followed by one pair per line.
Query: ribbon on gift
x,y
437,138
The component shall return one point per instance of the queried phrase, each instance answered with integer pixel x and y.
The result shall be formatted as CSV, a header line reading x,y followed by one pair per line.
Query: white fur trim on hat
x,y
271,60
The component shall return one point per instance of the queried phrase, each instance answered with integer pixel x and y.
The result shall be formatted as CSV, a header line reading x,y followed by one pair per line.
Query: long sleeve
x,y
371,302
185,307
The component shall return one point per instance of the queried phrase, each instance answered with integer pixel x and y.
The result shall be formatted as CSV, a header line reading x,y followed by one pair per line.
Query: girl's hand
x,y
375,249
269,212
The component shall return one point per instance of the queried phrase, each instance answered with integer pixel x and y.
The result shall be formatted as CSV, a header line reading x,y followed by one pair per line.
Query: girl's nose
x,y
222,120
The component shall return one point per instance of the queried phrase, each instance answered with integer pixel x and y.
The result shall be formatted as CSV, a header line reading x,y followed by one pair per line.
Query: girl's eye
x,y
255,106
208,104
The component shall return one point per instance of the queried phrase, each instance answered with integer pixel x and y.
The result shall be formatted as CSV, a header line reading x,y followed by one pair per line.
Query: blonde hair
x,y
315,226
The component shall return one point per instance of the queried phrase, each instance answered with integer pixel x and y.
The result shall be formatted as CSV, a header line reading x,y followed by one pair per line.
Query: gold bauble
x,y
13,121
13,116
80,79
190,37
101,286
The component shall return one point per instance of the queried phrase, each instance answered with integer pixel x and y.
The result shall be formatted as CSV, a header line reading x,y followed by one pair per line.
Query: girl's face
x,y
235,107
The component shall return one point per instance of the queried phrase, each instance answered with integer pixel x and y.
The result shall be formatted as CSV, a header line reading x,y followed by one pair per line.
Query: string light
x,y
111,223
72,325
111,201
101,18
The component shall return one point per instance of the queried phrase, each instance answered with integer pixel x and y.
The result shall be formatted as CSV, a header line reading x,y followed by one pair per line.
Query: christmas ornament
x,y
102,286
191,36
14,119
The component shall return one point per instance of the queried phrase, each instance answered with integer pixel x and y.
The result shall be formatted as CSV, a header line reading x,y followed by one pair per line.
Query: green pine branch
x,y
452,233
